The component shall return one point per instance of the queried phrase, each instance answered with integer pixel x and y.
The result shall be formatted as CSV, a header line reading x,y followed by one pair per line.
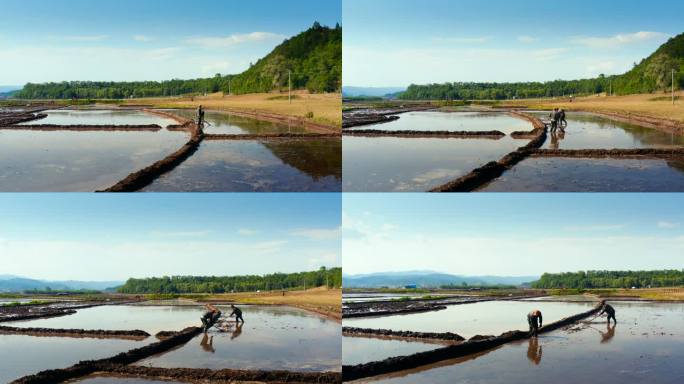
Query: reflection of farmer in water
x,y
561,119
200,116
210,317
608,310
534,319
237,332
207,343
238,314
609,334
534,351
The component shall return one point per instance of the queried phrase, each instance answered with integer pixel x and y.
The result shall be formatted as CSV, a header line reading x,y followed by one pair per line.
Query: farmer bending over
x,y
210,317
608,310
238,314
534,319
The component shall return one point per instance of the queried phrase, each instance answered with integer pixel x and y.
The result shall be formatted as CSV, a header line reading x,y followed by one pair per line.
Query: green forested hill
x,y
652,74
611,279
222,284
314,57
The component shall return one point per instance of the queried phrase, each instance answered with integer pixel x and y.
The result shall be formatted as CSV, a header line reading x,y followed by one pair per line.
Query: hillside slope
x,y
314,58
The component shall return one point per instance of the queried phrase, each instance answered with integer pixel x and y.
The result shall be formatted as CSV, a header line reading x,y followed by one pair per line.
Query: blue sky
x,y
399,42
511,234
110,237
55,40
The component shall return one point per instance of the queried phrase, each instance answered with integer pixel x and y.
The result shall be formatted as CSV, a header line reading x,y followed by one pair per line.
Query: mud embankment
x,y
490,171
76,333
283,119
386,308
445,336
492,135
363,116
144,177
224,375
8,119
661,124
84,128
88,367
284,135
611,153
474,345
42,314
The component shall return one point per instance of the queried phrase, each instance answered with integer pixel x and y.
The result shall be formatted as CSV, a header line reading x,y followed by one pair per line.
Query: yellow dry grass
x,y
321,300
655,105
326,108
658,294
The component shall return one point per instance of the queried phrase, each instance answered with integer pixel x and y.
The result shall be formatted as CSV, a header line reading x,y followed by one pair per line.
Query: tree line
x,y
331,278
311,60
611,279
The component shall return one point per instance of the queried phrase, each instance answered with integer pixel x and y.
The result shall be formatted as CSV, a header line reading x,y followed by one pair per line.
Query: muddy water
x,y
64,161
245,166
271,338
101,117
591,175
589,131
359,350
227,124
644,347
26,355
454,121
123,317
390,164
468,320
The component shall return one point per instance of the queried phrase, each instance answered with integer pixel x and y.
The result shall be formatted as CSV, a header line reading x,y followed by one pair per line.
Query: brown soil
x,y
472,346
78,333
354,118
431,134
11,118
611,153
402,334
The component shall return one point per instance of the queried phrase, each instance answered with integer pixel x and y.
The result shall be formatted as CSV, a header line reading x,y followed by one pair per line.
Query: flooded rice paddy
x,y
591,131
543,174
243,166
374,164
65,161
24,355
468,320
454,121
101,117
95,379
359,350
644,347
228,124
271,338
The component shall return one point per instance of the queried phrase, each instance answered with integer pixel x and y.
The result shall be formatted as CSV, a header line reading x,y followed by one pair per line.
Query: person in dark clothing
x,y
534,319
238,314
200,117
561,119
210,317
608,310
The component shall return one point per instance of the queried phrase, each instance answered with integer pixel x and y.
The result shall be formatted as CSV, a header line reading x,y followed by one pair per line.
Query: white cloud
x,y
667,224
317,233
462,40
235,39
247,232
619,40
601,67
220,66
525,39
180,233
85,38
142,38
162,53
326,259
607,227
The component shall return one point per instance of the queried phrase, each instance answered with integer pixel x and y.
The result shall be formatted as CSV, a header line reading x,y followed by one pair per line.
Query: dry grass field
x,y
320,108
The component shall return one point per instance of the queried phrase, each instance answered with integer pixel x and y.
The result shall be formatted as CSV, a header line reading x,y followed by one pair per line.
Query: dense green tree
x,y
611,279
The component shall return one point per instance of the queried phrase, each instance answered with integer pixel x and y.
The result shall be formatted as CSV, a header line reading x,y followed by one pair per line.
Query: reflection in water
x,y
273,338
589,131
245,166
227,124
238,331
101,117
60,161
359,350
534,350
454,121
590,175
647,350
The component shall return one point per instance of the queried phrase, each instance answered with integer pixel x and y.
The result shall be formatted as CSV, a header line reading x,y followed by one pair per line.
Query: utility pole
x,y
289,82
610,93
229,80
673,98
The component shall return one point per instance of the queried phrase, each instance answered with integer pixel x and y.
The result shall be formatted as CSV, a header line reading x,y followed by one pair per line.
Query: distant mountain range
x,y
388,92
8,90
10,283
428,279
